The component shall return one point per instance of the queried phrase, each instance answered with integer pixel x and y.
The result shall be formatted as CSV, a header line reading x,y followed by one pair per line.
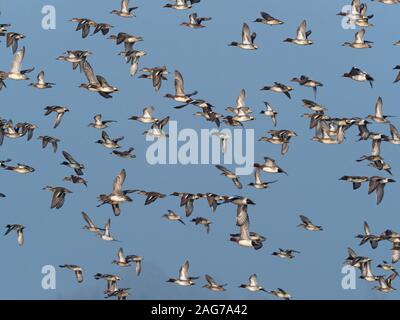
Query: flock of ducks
x,y
328,130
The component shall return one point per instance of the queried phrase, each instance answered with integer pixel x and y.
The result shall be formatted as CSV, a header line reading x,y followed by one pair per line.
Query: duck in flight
x,y
172,216
19,229
125,11
59,111
52,140
268,19
180,95
58,198
41,83
73,164
195,22
12,39
359,42
75,180
76,269
16,73
213,285
359,75
308,225
181,4
118,195
279,88
247,39
230,175
97,83
184,280
301,35
253,284
90,226
99,123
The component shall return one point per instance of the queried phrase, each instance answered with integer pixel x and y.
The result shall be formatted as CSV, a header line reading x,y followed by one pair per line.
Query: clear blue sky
x,y
218,72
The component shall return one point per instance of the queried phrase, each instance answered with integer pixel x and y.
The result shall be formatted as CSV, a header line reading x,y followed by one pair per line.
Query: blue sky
x,y
218,72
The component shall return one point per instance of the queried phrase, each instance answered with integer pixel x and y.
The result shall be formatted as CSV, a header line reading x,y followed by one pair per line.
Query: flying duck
x,y
223,138
302,35
41,83
313,106
253,285
378,116
280,293
204,222
195,21
281,137
366,272
377,184
122,260
125,11
307,82
187,200
16,73
181,4
90,226
19,168
388,1
385,285
395,135
285,254
73,164
156,74
109,143
354,260
127,39
47,139
279,88
12,39
133,57
180,95
359,75
128,154
75,180
157,129
172,216
58,198
269,166
359,42
270,112
151,196
147,116
268,19
111,281
120,293
97,83
247,39
230,175
213,285
258,183
76,269
386,266
84,24
59,110
99,123
241,112
104,28
355,180
244,239
19,229
369,237
308,225
75,57
117,196
106,234
184,279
